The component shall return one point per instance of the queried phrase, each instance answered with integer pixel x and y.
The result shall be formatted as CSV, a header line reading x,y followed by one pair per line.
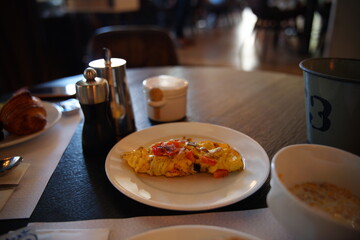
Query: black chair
x,y
273,18
140,46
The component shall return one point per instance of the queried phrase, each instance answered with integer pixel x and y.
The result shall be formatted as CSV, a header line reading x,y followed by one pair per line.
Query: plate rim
x,y
182,207
193,227
21,139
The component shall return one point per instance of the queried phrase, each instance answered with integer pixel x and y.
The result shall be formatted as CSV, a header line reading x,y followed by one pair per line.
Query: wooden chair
x,y
140,46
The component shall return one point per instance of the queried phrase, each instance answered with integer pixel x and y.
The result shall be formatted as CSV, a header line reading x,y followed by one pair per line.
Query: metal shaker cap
x,y
92,89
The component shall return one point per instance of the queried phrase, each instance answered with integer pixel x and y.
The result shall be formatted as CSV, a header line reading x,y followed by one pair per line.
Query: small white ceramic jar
x,y
166,98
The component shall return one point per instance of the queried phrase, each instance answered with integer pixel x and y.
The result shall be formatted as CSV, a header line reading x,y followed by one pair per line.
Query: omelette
x,y
182,157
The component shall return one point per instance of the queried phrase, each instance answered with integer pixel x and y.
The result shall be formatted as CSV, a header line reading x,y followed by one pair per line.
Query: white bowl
x,y
311,163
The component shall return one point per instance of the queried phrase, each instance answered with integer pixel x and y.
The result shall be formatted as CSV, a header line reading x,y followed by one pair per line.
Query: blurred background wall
x,y
42,40
343,36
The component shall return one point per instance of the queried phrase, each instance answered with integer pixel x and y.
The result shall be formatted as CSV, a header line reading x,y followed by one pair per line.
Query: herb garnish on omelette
x,y
183,157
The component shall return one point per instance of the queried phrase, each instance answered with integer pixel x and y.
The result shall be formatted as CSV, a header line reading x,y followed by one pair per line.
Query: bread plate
x,y
53,116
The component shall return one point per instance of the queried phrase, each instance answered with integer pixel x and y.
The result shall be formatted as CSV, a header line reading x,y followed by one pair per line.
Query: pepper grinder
x,y
98,136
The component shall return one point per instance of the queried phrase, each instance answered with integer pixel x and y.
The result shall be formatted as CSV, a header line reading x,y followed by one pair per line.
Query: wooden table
x,y
268,107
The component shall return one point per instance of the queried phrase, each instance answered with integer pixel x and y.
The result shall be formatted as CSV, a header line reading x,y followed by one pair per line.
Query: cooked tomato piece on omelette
x,y
183,157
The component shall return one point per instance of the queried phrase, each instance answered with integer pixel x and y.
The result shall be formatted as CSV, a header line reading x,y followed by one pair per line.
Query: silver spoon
x,y
6,164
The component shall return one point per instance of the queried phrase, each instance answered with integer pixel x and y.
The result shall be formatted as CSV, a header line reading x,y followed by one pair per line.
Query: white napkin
x,y
12,177
43,153
57,234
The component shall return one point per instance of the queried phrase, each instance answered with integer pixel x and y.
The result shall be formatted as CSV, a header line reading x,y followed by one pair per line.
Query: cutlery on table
x,y
9,163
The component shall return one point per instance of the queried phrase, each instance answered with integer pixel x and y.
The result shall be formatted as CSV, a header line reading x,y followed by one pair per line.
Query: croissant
x,y
23,114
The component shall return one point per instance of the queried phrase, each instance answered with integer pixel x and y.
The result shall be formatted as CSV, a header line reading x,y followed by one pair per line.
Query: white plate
x,y
196,192
193,232
53,116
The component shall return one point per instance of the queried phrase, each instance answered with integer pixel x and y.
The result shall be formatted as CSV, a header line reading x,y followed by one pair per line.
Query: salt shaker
x,y
93,93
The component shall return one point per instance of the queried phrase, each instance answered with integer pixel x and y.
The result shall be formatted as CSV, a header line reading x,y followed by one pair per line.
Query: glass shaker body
x,y
98,136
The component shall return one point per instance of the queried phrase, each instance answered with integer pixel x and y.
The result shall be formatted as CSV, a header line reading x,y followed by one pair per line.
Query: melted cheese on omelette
x,y
184,157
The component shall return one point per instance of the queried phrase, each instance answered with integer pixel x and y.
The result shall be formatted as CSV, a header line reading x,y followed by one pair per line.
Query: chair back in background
x,y
140,46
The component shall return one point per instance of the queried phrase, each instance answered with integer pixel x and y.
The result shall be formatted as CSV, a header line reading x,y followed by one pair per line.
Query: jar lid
x,y
100,63
169,85
92,89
